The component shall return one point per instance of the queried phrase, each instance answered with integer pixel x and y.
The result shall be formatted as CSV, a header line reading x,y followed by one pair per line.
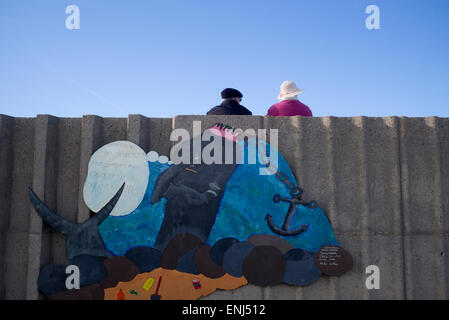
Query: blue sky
x,y
161,58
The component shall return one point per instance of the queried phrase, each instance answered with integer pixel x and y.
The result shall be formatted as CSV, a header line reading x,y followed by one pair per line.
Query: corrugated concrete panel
x,y
91,139
17,233
424,220
69,149
45,170
383,182
6,132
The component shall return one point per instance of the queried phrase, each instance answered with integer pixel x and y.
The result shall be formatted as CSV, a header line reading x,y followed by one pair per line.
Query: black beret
x,y
229,93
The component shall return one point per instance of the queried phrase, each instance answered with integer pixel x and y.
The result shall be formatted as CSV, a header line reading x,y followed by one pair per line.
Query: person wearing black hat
x,y
231,104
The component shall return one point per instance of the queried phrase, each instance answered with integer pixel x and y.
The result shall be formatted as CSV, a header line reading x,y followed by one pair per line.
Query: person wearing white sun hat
x,y
290,104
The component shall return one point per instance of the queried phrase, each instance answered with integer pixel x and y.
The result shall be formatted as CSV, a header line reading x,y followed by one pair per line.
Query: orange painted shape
x,y
176,285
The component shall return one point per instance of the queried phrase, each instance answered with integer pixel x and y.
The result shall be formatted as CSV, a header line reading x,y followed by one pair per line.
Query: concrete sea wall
x,y
383,182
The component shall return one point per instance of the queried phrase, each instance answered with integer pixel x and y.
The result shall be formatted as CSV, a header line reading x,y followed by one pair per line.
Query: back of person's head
x,y
289,91
231,93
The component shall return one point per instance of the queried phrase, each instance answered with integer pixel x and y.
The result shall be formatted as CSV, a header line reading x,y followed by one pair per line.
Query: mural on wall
x,y
160,230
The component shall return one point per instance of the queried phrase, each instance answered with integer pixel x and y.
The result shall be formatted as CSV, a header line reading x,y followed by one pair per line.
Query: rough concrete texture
x,y
383,182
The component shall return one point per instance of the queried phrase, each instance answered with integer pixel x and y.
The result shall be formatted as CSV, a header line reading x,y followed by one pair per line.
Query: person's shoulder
x,y
217,110
276,105
246,112
307,110
273,110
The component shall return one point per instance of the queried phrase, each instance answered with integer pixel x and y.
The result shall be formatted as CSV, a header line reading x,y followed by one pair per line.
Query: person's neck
x,y
230,102
290,98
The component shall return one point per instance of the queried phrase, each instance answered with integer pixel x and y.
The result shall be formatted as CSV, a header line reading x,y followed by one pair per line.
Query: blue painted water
x,y
247,199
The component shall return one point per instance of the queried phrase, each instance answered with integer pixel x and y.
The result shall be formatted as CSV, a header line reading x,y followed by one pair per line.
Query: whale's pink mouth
x,y
224,132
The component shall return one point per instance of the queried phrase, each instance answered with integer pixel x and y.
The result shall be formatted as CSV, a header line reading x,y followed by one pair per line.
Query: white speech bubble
x,y
109,167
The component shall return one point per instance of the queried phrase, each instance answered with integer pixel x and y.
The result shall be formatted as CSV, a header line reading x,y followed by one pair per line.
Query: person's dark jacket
x,y
229,107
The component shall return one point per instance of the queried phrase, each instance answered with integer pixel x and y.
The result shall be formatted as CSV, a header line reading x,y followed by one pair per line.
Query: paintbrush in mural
x,y
156,296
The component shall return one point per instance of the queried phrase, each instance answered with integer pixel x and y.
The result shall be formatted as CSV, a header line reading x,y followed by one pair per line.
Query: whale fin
x,y
56,222
99,217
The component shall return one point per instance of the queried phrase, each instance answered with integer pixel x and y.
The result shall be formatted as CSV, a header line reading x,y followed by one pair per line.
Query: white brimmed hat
x,y
289,89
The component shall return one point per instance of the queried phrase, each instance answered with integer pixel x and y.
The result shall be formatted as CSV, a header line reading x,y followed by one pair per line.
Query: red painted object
x,y
196,284
120,295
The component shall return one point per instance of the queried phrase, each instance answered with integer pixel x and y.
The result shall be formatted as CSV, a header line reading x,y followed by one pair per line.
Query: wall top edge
x,y
221,117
